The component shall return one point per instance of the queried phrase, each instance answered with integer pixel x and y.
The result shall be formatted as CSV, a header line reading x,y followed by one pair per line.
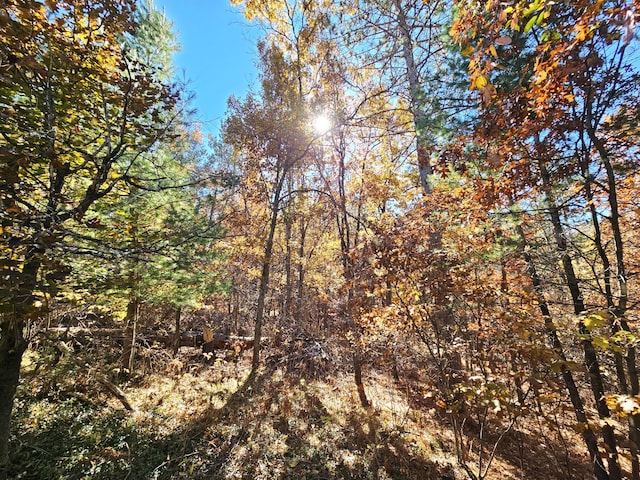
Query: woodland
x,y
410,253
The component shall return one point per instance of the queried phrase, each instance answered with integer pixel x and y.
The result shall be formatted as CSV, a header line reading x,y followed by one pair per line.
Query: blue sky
x,y
218,53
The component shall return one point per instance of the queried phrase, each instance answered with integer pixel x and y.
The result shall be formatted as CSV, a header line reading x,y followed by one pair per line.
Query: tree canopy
x,y
443,193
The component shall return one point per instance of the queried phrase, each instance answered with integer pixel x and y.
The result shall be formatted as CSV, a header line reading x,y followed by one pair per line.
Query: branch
x,y
100,377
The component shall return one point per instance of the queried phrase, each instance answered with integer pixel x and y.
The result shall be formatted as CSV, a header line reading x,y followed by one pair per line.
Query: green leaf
x,y
530,24
533,7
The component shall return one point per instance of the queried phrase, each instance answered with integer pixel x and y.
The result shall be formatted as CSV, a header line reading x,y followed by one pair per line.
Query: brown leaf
x,y
503,40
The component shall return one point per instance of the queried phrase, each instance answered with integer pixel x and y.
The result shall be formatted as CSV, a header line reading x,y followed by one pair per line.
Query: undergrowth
x,y
202,418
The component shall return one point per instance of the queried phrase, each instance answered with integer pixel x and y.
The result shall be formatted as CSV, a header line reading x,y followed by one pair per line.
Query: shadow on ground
x,y
275,425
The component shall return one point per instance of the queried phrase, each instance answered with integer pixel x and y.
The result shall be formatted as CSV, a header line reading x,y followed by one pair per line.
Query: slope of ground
x,y
205,419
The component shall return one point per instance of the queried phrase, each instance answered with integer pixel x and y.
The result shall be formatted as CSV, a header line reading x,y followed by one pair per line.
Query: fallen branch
x,y
190,338
109,386
220,341
83,331
206,339
114,389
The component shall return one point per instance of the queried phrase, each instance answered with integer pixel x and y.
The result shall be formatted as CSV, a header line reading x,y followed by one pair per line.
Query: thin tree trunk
x,y
300,313
131,331
287,307
344,230
176,344
416,89
614,220
588,436
264,276
590,356
634,420
127,360
235,295
619,310
616,325
357,375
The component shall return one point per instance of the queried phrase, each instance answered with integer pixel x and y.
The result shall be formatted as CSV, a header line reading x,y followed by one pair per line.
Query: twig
x,y
169,460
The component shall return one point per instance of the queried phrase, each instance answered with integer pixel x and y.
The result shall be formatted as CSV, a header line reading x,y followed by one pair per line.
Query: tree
x,y
553,79
151,241
403,44
78,114
269,133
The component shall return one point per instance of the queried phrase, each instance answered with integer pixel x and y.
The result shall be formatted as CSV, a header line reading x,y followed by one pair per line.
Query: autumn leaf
x,y
600,342
595,319
479,82
541,77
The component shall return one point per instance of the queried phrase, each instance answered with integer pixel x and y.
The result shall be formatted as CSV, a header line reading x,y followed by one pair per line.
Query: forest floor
x,y
202,418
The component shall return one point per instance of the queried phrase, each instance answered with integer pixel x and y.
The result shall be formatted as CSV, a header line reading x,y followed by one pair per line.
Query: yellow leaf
x,y
541,77
595,319
480,82
612,401
467,51
493,52
533,7
600,342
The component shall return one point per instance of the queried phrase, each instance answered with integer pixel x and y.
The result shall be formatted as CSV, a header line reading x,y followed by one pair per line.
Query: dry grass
x,y
203,419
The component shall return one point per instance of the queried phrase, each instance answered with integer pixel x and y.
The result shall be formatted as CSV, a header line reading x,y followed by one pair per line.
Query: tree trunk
x,y
590,356
287,308
176,344
588,435
301,313
634,420
12,347
127,361
235,312
264,276
416,89
262,293
357,375
618,310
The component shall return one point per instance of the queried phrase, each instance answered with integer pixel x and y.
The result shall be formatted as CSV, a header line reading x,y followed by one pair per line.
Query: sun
x,y
321,123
